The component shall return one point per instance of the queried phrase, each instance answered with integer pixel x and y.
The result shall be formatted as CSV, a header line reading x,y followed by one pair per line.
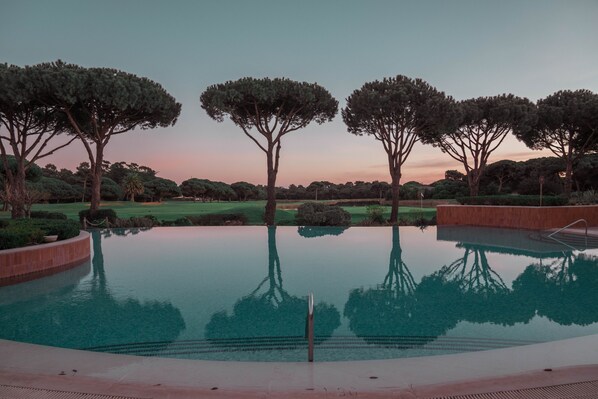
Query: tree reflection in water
x,y
93,317
468,289
565,291
399,307
473,273
270,311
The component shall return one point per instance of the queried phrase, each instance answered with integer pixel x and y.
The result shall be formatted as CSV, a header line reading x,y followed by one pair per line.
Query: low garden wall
x,y
20,264
516,217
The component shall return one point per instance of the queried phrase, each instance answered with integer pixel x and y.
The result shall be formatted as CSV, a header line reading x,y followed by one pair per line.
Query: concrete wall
x,y
20,264
516,217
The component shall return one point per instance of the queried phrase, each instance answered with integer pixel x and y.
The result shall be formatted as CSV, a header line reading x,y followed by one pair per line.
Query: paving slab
x,y
28,365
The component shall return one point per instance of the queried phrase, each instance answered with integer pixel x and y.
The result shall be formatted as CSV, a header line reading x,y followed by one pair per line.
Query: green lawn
x,y
171,210
358,213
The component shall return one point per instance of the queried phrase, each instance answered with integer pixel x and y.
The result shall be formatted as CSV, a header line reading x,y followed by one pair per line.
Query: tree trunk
x,y
96,179
84,189
17,195
473,179
271,192
272,157
569,178
17,191
394,210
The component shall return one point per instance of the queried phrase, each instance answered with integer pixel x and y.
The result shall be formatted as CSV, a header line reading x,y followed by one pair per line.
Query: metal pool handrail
x,y
571,224
309,327
585,222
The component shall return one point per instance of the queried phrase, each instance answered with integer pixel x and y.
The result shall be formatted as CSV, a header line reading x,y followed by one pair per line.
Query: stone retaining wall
x,y
20,264
516,217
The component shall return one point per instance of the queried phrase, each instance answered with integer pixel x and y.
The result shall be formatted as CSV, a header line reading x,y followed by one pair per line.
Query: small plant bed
x,y
513,200
24,232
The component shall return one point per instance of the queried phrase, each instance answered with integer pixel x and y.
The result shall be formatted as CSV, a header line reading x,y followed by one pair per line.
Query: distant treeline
x,y
502,177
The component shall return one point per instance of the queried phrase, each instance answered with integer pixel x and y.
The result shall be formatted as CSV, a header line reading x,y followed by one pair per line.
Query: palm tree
x,y
132,185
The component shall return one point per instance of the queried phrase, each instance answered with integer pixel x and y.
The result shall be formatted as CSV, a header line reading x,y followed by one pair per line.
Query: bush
x,y
47,215
183,222
375,214
136,222
153,219
316,214
3,223
62,228
22,232
219,219
589,197
98,216
20,236
513,200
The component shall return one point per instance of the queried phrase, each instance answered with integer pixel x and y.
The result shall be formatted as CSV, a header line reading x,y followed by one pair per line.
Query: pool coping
x,y
36,261
484,371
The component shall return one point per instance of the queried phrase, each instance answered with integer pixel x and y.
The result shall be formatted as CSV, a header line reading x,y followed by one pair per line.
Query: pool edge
x,y
373,376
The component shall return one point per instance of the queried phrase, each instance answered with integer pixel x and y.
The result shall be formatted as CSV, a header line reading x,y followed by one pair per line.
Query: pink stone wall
x,y
516,217
20,264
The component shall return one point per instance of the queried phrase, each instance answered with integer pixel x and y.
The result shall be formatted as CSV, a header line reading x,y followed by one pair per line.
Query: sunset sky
x,y
464,48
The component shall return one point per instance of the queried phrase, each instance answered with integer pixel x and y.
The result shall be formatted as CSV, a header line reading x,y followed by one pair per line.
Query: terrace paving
x,y
29,370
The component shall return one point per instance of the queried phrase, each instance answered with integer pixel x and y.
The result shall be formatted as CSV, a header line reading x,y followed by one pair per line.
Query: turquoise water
x,y
232,293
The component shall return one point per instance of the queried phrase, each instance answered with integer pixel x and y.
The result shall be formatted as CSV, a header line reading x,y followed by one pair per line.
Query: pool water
x,y
239,293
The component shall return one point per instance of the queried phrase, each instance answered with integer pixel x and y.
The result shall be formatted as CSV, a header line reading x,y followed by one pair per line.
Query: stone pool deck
x,y
569,361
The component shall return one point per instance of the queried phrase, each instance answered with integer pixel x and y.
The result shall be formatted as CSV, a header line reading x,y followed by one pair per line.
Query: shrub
x,y
375,214
62,228
98,216
3,224
20,236
513,200
218,219
47,215
22,232
153,219
183,222
316,214
136,222
589,197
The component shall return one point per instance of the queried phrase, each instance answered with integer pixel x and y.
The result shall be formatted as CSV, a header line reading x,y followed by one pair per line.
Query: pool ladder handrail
x,y
585,222
309,327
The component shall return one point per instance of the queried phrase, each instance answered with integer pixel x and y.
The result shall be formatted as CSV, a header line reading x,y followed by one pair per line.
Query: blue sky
x,y
465,48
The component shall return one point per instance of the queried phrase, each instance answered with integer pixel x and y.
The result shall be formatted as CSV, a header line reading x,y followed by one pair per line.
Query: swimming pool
x,y
239,293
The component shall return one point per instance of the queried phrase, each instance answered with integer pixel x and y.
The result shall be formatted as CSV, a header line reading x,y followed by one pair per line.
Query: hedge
x,y
218,219
47,215
513,200
22,232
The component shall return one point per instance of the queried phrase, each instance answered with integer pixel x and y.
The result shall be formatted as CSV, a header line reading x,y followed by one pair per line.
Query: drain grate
x,y
578,390
16,392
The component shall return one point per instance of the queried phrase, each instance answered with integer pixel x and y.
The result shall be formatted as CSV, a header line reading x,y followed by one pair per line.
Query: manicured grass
x,y
409,213
254,210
